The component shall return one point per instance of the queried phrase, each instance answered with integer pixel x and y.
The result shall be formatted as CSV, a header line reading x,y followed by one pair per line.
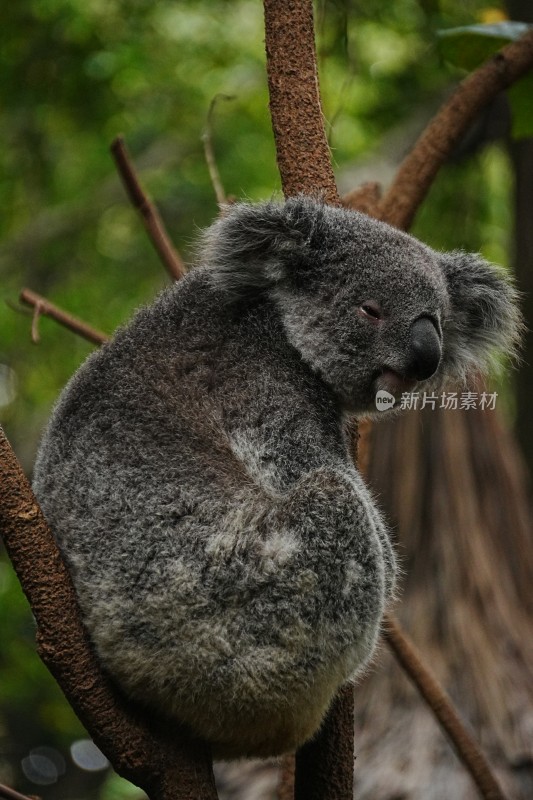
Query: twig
x,y
147,211
155,755
35,323
10,794
416,173
436,698
42,306
209,151
301,144
285,790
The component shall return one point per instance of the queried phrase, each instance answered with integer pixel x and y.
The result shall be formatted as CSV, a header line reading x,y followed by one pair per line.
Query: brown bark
x,y
10,794
160,758
147,211
285,789
364,198
432,692
418,170
44,306
301,144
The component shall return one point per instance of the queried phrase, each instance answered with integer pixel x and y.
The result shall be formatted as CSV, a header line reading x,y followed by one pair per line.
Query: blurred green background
x,y
74,74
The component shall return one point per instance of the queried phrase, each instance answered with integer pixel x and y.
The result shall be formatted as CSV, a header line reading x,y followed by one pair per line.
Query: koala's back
x,y
200,595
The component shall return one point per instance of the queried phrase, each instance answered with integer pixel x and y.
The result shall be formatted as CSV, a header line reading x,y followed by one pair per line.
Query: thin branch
x,y
35,323
10,794
436,698
301,144
285,789
155,755
207,139
147,211
42,306
417,172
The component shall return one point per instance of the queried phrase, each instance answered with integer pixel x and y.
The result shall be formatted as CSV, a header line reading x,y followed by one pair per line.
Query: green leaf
x,y
467,47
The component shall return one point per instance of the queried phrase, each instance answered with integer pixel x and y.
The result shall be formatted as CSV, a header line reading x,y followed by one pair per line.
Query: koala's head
x,y
367,306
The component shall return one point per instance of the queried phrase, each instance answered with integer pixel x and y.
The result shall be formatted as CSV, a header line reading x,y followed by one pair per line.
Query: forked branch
x,y
43,306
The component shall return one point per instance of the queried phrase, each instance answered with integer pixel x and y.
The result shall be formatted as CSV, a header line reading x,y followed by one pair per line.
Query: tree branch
x,y
147,211
285,788
207,139
157,756
8,793
301,144
43,306
437,699
364,198
417,172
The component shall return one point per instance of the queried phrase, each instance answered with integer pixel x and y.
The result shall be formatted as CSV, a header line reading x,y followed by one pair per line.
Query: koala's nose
x,y
425,351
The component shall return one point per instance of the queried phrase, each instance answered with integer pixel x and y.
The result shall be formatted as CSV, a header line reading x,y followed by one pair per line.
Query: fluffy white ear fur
x,y
485,319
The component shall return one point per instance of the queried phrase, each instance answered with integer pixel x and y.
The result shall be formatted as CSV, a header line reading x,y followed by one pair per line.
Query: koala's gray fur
x,y
231,565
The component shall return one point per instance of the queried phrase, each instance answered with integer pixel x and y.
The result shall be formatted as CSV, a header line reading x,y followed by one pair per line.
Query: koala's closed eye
x,y
371,310
230,564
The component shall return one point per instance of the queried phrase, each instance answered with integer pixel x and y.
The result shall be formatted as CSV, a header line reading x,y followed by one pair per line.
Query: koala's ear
x,y
484,321
252,248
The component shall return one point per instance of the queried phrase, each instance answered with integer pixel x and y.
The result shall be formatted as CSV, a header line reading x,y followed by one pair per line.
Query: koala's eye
x,y
371,310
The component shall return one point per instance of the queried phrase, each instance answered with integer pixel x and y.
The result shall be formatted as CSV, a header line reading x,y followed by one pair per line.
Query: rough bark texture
x,y
301,145
148,213
43,306
162,759
418,170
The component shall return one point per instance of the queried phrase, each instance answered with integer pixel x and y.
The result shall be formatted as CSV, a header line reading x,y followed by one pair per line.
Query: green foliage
x,y
470,45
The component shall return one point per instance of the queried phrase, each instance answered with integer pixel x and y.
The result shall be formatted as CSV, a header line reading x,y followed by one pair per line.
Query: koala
x,y
231,566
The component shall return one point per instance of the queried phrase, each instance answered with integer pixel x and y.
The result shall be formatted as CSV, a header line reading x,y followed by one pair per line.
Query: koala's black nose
x,y
425,349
